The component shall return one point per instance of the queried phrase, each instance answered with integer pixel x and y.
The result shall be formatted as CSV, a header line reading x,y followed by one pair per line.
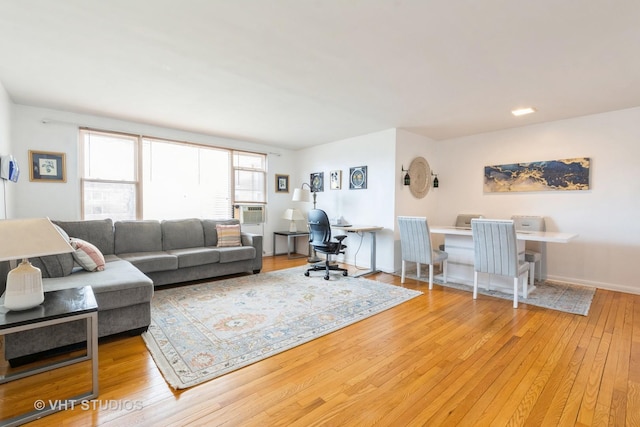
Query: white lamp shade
x,y
293,215
27,238
301,195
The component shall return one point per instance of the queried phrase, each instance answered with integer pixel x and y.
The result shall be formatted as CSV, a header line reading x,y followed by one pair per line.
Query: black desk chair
x,y
320,239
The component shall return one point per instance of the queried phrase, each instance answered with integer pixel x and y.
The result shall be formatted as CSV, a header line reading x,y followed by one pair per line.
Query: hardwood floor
x,y
439,359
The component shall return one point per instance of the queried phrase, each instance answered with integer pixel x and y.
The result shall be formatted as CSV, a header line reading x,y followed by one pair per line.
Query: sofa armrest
x,y
255,240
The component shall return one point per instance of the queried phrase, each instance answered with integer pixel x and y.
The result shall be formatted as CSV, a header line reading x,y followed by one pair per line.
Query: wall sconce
x,y
435,180
407,178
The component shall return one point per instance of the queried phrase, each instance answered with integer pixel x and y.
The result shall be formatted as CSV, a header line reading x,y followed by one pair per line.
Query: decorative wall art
x,y
564,174
282,183
420,174
358,178
47,167
317,182
335,180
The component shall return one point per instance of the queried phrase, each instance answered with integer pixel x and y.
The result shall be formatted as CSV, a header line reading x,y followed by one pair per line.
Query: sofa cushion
x,y
87,255
149,262
228,235
210,232
97,231
119,285
182,233
137,236
239,253
190,257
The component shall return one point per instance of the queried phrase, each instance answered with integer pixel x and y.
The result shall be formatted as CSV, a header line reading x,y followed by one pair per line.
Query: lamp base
x,y
24,287
293,228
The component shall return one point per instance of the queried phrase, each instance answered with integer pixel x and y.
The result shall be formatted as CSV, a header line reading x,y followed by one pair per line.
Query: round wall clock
x,y
420,174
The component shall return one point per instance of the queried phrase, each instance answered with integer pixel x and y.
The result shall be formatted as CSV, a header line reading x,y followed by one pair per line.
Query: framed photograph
x,y
282,183
358,178
335,180
317,182
47,167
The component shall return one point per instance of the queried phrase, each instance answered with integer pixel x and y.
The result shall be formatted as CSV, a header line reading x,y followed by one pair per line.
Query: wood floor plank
x,y
439,359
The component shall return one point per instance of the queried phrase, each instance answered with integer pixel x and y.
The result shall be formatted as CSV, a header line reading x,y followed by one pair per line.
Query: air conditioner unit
x,y
249,214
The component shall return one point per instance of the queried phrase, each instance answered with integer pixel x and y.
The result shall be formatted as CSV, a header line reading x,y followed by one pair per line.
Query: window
x,y
250,173
175,180
110,176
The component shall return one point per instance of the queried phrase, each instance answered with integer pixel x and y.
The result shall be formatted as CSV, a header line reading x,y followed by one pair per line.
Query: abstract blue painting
x,y
565,174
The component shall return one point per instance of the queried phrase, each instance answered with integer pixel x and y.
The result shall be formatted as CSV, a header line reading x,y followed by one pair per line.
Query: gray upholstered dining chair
x,y
531,223
415,242
496,252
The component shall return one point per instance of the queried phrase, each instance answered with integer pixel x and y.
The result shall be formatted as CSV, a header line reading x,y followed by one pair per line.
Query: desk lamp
x,y
23,239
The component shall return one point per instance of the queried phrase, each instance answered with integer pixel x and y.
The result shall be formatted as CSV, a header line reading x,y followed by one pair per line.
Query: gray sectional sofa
x,y
139,255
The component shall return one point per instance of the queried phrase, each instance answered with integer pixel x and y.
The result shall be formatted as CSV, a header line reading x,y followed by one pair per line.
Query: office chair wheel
x,y
326,277
344,273
306,273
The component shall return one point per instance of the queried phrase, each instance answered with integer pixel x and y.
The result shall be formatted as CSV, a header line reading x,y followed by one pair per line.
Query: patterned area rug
x,y
199,332
567,297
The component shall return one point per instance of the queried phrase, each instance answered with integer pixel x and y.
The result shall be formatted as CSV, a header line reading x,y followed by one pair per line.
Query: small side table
x,y
61,306
290,235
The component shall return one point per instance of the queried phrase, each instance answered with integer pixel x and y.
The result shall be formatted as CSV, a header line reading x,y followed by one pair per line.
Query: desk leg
x,y
373,256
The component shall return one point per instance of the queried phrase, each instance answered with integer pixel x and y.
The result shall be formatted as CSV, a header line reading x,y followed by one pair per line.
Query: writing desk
x,y
458,242
372,230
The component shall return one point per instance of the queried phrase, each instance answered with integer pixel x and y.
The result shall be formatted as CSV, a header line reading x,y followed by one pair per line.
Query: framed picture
x,y
358,178
335,180
47,167
317,182
282,183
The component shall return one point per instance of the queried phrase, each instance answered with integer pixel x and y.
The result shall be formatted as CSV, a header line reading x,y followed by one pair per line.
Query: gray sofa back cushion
x,y
137,236
97,231
182,233
210,233
60,265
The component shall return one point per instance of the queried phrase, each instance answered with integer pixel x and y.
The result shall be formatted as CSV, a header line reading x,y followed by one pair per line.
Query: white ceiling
x,y
295,73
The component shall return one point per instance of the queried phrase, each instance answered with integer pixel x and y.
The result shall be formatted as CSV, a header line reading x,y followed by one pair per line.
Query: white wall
x,y
60,134
374,205
606,216
5,148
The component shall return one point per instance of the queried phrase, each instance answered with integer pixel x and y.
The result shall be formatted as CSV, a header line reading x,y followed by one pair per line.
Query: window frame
x,y
139,172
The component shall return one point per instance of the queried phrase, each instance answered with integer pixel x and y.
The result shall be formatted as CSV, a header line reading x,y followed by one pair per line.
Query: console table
x,y
61,306
290,235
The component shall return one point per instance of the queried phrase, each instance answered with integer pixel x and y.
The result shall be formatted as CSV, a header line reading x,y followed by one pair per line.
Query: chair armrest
x,y
340,238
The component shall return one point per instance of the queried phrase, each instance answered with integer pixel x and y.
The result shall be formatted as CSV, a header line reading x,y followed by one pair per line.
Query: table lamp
x,y
23,239
293,215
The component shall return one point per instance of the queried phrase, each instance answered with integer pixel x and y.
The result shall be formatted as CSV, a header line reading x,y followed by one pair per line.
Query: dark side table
x,y
61,306
290,235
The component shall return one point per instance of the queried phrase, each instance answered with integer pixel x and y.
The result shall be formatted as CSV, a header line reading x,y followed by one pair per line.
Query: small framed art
x,y
47,166
317,182
335,180
358,178
282,183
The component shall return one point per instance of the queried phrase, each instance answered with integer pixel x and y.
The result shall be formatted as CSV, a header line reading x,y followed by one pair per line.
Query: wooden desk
x,y
458,242
372,230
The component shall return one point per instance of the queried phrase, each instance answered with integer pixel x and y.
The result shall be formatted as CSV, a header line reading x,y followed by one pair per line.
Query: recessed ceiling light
x,y
523,111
